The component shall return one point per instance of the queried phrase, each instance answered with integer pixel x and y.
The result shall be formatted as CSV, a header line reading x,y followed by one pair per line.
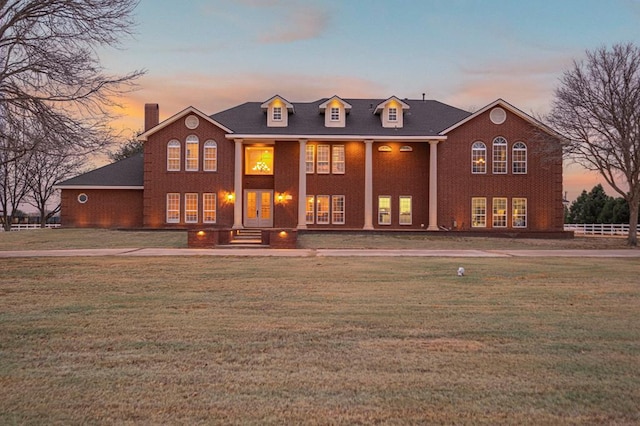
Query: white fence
x,y
620,229
23,226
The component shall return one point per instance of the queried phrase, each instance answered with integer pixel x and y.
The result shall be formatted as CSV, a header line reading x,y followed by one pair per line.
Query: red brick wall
x,y
158,181
112,208
542,185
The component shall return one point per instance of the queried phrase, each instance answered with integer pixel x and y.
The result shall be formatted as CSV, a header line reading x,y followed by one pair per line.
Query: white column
x,y
302,186
368,184
237,186
433,186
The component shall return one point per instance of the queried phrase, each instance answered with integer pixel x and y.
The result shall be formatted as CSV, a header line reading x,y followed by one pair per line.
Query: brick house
x,y
332,164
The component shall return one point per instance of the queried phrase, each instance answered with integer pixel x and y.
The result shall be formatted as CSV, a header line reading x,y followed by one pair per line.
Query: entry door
x,y
258,211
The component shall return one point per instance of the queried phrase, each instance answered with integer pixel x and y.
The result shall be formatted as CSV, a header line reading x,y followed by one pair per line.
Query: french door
x,y
258,211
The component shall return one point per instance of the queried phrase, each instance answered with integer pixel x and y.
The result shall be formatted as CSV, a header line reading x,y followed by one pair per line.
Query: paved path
x,y
140,252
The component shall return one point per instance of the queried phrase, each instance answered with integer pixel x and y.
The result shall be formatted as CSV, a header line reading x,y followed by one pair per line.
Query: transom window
x,y
173,156
519,212
499,155
210,163
478,212
478,158
393,114
405,210
191,208
519,157
499,212
173,208
384,210
192,153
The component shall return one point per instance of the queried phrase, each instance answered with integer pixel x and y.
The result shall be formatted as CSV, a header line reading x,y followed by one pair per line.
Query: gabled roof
x,y
124,174
382,104
425,118
190,110
268,102
506,105
323,106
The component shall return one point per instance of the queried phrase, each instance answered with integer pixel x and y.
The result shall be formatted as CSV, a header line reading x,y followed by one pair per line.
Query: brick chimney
x,y
151,116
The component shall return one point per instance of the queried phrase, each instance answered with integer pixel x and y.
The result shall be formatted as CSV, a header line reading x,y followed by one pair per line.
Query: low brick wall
x,y
280,238
204,238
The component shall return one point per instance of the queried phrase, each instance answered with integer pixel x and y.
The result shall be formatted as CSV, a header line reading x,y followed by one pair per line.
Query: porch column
x,y
433,186
237,186
368,184
302,185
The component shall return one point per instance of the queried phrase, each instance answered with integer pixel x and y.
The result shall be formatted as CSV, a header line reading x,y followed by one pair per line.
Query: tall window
x,y
277,113
323,159
335,114
210,163
519,158
309,158
310,210
393,114
192,153
519,211
173,156
405,210
478,158
499,155
173,207
499,212
478,212
337,209
322,209
337,159
384,210
191,208
209,207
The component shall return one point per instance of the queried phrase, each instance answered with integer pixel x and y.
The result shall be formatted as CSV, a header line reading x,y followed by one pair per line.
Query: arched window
x,y
210,163
478,158
519,158
499,155
191,156
173,156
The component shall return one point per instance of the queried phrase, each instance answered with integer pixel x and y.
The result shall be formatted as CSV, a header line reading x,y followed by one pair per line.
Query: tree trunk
x,y
633,222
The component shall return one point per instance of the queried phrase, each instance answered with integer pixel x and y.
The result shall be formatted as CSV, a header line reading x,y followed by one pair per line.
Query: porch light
x,y
230,197
282,234
280,197
200,233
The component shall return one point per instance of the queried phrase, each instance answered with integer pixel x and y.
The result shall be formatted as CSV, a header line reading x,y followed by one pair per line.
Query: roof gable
x,y
380,107
190,110
265,105
323,106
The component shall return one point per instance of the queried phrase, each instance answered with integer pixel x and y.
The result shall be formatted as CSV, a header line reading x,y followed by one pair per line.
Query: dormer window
x,y
277,113
393,114
335,113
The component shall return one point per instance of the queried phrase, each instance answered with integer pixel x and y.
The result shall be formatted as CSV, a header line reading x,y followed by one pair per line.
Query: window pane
x,y
173,156
173,208
277,113
322,209
500,155
519,208
478,212
310,209
338,159
405,211
258,160
499,212
310,158
393,114
478,158
210,156
335,114
190,208
337,209
209,207
519,158
323,159
384,210
192,153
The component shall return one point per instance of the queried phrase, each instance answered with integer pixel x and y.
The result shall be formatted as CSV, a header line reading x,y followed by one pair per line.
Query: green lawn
x,y
231,340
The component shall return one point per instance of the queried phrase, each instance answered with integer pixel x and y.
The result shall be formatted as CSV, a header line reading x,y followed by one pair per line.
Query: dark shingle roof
x,y
424,118
127,172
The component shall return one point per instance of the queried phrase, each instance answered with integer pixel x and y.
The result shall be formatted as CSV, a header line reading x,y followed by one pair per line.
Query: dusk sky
x,y
214,54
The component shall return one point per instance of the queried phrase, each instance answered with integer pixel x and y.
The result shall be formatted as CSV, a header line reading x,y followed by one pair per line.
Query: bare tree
x,y
597,106
50,73
13,186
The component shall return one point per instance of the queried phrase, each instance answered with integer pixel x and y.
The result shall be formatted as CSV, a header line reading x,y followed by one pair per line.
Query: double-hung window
x,y
209,200
405,210
519,212
335,114
323,156
499,212
210,162
519,157
322,209
478,212
192,153
173,207
309,158
337,159
393,114
384,210
191,208
337,209
499,155
173,156
277,113
310,210
478,158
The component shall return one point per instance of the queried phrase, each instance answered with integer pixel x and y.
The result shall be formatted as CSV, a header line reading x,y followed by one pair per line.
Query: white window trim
x,y
214,197
334,114
276,113
318,211
336,162
496,162
310,156
473,150
193,195
493,212
392,114
380,222
525,216
473,214
321,150
310,213
513,158
333,211
191,140
208,145
410,198
172,145
167,210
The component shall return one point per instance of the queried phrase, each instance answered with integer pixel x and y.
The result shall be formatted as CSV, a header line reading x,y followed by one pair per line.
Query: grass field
x,y
227,340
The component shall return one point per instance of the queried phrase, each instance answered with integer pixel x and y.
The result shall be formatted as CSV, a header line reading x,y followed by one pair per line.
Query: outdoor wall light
x,y
200,233
230,197
282,234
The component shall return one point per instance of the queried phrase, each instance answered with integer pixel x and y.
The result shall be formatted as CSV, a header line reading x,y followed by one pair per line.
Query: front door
x,y
258,211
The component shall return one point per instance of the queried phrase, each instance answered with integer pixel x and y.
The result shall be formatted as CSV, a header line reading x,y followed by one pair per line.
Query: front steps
x,y
246,238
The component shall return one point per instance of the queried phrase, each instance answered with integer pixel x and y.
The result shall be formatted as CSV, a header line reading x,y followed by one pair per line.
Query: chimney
x,y
151,116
